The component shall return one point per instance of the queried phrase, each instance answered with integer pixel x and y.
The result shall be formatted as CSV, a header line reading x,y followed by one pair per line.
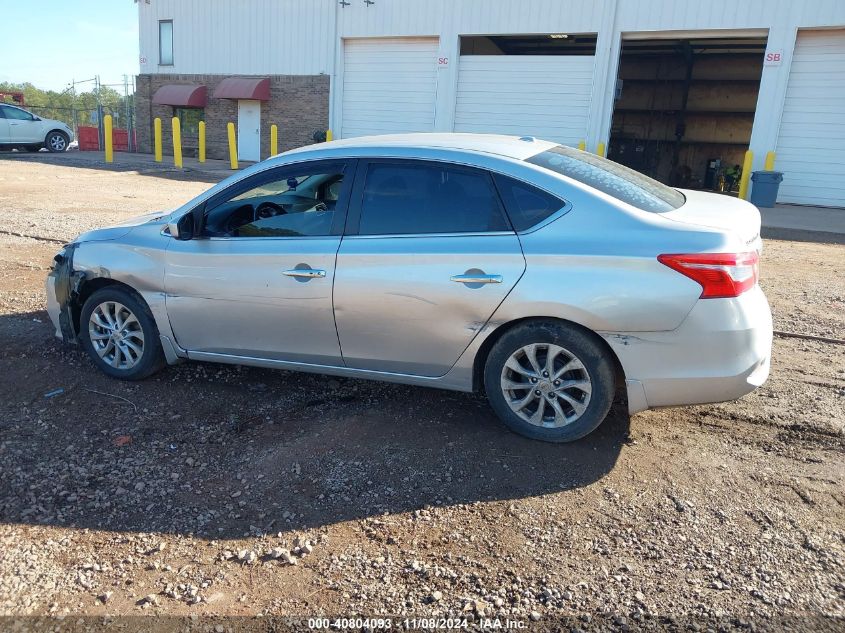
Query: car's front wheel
x,y
549,382
56,141
119,333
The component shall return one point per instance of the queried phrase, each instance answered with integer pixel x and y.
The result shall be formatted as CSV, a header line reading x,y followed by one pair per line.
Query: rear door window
x,y
418,197
527,205
611,178
20,115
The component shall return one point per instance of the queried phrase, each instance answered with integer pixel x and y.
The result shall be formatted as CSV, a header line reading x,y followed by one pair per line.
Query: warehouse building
x,y
678,89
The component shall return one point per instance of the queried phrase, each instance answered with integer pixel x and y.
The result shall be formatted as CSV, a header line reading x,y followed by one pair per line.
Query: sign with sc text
x,y
442,62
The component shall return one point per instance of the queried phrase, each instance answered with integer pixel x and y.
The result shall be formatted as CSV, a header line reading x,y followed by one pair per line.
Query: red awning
x,y
181,95
243,88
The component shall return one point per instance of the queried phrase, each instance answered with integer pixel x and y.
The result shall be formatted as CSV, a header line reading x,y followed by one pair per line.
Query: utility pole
x,y
126,112
73,107
100,137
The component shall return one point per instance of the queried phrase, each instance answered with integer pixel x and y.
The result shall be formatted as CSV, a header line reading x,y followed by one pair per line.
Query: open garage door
x,y
684,108
389,86
537,85
811,143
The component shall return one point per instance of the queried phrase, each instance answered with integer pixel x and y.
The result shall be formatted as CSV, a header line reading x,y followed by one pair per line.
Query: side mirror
x,y
183,229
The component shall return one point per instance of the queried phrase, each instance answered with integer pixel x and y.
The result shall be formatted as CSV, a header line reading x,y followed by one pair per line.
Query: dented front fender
x,y
62,288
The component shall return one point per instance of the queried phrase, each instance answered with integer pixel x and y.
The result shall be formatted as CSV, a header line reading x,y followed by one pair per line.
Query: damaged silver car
x,y
547,277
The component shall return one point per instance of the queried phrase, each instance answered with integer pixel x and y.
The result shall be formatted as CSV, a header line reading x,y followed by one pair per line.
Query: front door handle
x,y
306,273
476,279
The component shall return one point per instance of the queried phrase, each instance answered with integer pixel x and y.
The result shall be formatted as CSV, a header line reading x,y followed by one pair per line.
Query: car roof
x,y
516,147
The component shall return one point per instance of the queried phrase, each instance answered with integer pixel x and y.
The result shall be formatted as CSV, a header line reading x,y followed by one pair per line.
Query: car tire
x,y
119,333
571,375
56,141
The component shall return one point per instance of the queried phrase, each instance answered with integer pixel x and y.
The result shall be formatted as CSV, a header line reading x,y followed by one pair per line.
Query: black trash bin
x,y
764,191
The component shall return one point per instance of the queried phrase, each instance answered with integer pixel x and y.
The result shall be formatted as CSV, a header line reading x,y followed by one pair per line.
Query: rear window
x,y
611,178
527,206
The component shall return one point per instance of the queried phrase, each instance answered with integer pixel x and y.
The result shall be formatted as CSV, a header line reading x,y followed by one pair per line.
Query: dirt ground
x,y
223,491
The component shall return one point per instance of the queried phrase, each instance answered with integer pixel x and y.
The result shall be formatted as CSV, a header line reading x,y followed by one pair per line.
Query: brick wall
x,y
299,106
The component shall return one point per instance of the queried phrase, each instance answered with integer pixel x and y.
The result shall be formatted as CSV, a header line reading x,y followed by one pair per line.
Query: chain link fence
x,y
75,118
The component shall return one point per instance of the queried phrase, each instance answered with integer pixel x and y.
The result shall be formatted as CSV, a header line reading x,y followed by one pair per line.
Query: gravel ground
x,y
223,491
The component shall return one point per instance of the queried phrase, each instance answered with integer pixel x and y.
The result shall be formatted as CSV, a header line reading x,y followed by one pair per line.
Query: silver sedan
x,y
549,278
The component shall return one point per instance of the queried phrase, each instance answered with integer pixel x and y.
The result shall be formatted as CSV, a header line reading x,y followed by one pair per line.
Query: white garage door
x,y
389,85
811,144
547,96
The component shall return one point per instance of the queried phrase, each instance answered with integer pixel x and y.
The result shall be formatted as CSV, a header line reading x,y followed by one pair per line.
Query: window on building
x,y
527,206
418,198
165,42
189,120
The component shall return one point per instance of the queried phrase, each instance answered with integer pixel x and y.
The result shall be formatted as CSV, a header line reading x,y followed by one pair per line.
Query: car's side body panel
x,y
400,319
397,308
230,296
4,130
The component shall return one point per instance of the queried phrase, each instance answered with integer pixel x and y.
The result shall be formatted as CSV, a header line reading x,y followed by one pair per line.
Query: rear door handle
x,y
476,279
306,273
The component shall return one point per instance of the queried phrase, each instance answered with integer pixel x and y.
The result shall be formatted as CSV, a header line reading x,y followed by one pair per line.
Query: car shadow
x,y
227,451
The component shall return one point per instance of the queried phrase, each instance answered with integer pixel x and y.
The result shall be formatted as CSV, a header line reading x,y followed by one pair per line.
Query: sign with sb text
x,y
773,58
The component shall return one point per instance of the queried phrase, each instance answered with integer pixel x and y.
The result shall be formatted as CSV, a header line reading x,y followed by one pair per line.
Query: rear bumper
x,y
720,352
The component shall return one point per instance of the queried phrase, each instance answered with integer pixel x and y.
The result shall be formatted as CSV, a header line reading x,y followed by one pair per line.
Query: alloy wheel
x,y
57,142
546,385
116,335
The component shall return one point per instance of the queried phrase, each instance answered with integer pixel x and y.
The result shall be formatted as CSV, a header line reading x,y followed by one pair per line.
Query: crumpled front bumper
x,y
53,307
61,286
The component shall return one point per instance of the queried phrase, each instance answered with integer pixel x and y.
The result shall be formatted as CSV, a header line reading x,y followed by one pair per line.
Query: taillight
x,y
721,275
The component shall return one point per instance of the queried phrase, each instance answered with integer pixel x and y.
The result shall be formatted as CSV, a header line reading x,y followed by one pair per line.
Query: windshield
x,y
611,178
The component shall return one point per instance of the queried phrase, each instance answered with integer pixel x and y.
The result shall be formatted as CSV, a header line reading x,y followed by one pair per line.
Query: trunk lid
x,y
720,212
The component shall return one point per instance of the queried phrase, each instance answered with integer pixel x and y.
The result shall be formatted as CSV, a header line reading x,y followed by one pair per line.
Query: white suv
x,y
24,130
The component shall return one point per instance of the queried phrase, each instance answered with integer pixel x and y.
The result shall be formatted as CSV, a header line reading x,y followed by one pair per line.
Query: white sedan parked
x,y
24,130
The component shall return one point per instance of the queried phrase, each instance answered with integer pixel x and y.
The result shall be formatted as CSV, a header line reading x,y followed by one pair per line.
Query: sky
x,y
51,42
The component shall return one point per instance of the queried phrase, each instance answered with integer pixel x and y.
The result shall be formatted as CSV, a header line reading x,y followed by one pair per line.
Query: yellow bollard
x,y
329,136
108,138
157,127
233,145
177,143
274,140
746,175
582,145
201,142
600,151
770,161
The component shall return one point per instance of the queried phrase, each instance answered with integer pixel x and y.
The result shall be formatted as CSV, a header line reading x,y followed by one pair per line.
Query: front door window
x,y
295,204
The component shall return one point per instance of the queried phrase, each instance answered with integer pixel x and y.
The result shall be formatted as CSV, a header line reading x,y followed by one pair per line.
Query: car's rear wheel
x,y
549,382
119,333
56,141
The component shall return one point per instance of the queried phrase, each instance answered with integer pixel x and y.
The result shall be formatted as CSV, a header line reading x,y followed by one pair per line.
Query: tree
x,y
63,107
